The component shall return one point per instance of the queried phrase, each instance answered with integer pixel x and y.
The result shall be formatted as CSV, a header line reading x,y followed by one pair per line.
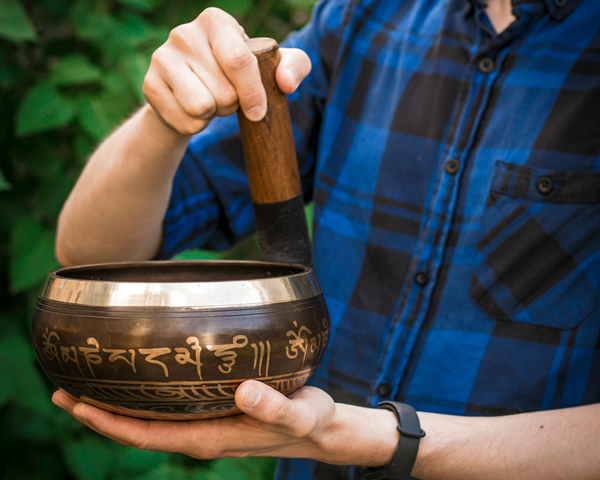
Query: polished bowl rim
x,y
200,295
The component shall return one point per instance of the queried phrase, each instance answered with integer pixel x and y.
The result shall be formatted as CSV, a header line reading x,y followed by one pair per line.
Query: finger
x,y
67,403
167,108
191,438
216,82
297,416
294,67
63,400
237,62
191,94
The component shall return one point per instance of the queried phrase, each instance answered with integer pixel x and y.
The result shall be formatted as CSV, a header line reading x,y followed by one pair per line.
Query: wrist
x,y
155,124
403,461
357,436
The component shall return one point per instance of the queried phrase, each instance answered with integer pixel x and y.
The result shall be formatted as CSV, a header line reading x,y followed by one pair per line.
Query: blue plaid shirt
x,y
456,181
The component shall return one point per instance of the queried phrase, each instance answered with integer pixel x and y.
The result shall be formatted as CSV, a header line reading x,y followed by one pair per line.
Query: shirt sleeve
x,y
210,205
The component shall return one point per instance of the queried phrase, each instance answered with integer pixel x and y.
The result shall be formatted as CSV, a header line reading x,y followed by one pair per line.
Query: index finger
x,y
239,64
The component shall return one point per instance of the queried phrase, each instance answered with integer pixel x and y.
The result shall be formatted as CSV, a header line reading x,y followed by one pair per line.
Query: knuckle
x,y
183,38
157,60
149,88
227,95
276,412
178,34
210,14
306,427
253,96
240,58
145,441
202,107
138,444
190,127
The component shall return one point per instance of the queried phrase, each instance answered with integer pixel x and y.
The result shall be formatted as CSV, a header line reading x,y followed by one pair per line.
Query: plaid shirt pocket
x,y
539,250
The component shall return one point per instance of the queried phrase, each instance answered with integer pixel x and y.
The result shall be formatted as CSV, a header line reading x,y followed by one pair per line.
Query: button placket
x,y
452,166
486,65
384,389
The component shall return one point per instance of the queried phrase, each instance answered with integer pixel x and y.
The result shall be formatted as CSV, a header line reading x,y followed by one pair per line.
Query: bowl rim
x,y
198,295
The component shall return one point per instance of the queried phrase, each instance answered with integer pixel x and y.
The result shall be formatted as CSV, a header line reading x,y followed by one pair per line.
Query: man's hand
x,y
308,424
548,445
205,69
116,210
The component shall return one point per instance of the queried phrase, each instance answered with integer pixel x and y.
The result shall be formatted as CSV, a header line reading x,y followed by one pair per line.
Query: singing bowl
x,y
173,340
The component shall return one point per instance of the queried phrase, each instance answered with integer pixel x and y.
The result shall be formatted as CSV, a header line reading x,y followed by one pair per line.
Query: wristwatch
x,y
405,455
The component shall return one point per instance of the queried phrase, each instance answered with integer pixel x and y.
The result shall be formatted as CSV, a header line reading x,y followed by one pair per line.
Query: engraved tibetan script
x,y
152,353
297,342
183,354
91,354
226,352
259,360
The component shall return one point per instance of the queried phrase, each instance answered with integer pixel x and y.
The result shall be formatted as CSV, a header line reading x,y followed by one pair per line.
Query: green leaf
x,y
28,389
90,457
51,195
74,70
98,116
43,109
236,7
5,391
144,5
94,25
245,468
44,159
134,30
197,254
14,22
136,66
28,460
166,471
8,77
309,211
28,426
32,254
139,461
4,185
83,146
93,118
305,5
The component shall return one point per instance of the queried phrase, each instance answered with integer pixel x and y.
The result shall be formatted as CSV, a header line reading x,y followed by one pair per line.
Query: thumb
x,y
266,404
292,69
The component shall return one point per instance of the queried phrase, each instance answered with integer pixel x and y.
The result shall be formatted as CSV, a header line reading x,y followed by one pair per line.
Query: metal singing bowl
x,y
173,340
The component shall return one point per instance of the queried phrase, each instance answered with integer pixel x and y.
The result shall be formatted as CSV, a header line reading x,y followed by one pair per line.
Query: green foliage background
x,y
70,71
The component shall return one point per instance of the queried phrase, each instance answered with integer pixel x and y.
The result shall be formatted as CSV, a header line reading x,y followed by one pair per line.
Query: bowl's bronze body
x,y
173,340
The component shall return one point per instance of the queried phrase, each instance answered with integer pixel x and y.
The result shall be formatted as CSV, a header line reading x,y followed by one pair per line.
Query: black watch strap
x,y
405,455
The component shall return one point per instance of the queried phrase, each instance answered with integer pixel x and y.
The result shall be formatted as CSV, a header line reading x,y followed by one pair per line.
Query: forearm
x,y
547,445
116,209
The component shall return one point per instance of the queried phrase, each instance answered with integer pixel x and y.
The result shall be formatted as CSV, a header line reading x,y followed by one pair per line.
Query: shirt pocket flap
x,y
538,255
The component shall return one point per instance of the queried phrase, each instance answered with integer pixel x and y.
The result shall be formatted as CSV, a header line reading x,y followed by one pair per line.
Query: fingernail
x,y
295,76
252,397
256,113
77,411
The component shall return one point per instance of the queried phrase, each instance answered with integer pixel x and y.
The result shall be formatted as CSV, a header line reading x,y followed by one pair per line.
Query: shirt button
x,y
560,3
452,166
421,278
545,185
384,389
486,65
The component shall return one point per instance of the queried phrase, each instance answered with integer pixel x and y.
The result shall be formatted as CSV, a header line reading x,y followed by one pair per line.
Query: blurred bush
x,y
69,73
